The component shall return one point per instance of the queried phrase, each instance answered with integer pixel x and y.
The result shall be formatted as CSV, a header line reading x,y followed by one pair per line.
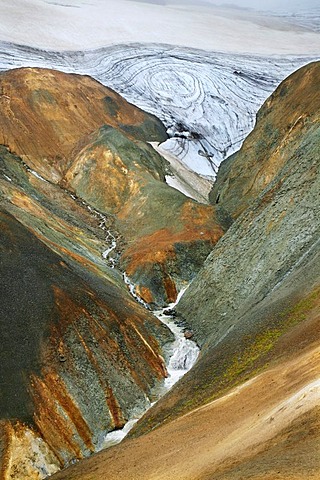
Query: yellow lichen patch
x,y
27,455
250,360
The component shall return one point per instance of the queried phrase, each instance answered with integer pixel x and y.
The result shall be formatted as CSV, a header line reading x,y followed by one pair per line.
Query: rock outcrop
x,y
247,406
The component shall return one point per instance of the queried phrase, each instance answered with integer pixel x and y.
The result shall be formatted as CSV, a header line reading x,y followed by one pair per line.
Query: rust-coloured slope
x,y
45,115
77,133
226,439
168,235
78,355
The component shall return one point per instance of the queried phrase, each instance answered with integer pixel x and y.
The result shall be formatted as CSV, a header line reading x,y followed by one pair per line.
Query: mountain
x,y
84,206
77,134
78,355
249,407
208,101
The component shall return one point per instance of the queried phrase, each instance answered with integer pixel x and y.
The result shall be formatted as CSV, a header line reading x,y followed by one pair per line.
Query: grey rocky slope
x,y
263,275
268,241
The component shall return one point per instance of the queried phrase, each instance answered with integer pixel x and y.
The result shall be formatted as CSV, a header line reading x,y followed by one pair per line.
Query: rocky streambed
x,y
182,355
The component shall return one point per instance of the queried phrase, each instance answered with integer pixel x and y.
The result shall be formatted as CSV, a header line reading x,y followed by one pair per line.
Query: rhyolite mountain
x,y
249,408
79,356
82,136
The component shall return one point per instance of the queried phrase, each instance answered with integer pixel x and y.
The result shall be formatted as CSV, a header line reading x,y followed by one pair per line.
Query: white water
x,y
184,354
115,437
110,249
132,290
110,239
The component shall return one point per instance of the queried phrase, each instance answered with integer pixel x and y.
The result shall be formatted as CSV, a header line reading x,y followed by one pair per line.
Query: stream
x,y
183,355
183,352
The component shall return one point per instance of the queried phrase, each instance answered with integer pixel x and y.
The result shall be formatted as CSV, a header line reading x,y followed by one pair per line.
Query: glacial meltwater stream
x,y
183,355
183,352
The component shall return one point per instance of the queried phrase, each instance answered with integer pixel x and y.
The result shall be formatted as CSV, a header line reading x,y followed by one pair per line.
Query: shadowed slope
x,y
78,355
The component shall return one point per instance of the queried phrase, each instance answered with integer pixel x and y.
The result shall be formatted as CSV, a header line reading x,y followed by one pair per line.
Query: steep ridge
x,y
254,308
92,142
45,115
250,276
281,225
206,100
79,356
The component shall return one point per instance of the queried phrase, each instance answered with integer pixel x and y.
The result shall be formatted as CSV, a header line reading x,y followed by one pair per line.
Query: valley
x,y
159,241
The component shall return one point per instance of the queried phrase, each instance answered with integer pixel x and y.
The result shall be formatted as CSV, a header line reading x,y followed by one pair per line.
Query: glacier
x,y
207,100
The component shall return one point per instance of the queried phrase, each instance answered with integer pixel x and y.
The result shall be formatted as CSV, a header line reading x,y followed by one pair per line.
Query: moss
x,y
261,346
299,312
257,351
254,354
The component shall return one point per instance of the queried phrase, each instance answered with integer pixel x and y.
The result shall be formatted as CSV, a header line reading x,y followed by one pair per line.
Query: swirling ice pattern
x,y
207,100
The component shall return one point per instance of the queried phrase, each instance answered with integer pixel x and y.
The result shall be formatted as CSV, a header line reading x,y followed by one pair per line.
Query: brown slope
x,y
78,355
73,131
167,234
45,115
243,434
